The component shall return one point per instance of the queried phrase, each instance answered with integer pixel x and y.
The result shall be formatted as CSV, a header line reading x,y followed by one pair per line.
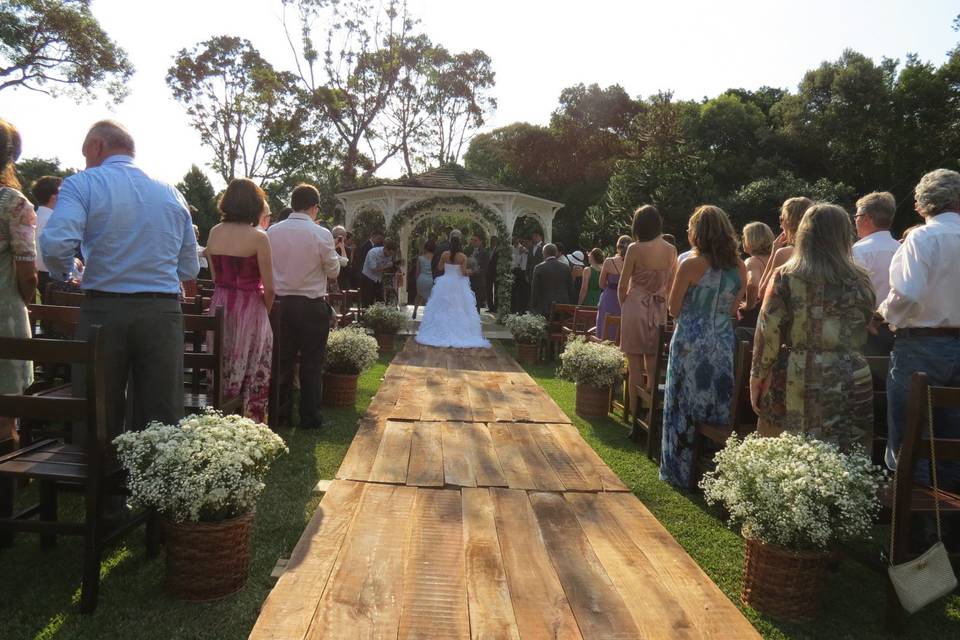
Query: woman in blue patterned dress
x,y
706,293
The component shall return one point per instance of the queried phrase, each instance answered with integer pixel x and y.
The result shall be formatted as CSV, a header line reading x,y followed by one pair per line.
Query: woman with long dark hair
x,y
450,318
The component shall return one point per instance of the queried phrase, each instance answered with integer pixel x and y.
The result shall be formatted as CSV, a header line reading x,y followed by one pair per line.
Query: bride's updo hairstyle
x,y
456,243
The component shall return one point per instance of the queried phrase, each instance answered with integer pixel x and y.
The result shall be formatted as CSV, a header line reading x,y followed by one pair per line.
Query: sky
x,y
695,48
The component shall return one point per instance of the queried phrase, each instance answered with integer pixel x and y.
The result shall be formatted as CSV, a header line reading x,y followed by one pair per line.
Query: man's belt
x,y
93,293
928,332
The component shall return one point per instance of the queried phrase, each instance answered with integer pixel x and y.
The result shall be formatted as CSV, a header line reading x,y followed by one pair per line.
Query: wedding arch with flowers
x,y
451,190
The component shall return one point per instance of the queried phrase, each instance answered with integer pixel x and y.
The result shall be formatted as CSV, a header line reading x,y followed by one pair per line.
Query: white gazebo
x,y
449,189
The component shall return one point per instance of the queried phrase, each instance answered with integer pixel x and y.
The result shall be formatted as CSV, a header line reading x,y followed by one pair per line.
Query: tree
x,y
242,107
460,100
30,169
198,192
57,46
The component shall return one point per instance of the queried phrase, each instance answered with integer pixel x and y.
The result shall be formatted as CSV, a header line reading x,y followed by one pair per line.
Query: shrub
x,y
383,320
794,491
598,364
350,351
526,328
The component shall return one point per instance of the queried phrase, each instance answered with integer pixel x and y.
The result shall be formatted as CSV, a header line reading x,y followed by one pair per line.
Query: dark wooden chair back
x,y
559,324
60,298
879,366
649,420
584,319
209,357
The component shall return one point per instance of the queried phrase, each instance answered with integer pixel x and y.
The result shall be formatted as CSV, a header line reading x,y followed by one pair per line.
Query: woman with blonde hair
x,y
791,213
758,244
609,280
706,293
808,374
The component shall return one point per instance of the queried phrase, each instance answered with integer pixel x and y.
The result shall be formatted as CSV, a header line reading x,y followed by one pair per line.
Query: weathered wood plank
x,y
654,608
599,609
713,614
363,451
541,473
491,609
610,480
573,446
488,470
514,468
434,586
393,456
480,403
291,605
459,462
410,403
365,592
562,464
426,456
539,603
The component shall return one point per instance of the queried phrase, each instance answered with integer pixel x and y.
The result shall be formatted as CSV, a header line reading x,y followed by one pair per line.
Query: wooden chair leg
x,y
696,468
152,528
48,512
6,509
626,400
655,417
90,586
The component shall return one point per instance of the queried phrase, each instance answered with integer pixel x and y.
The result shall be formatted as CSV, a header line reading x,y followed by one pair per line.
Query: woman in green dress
x,y
18,270
590,286
808,374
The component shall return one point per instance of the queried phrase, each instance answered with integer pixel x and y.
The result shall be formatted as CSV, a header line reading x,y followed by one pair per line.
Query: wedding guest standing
x,y
874,252
304,258
808,374
370,291
491,293
480,261
791,213
758,244
534,255
424,275
924,307
379,260
242,269
706,293
521,286
648,269
551,283
138,245
609,281
590,280
18,272
45,191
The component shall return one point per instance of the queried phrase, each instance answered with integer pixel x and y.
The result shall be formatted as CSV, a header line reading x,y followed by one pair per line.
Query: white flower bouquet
x,y
527,328
350,351
794,491
598,364
383,319
207,468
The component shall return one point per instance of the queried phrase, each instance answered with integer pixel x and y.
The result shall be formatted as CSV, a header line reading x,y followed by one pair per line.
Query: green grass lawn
x,y
39,591
855,599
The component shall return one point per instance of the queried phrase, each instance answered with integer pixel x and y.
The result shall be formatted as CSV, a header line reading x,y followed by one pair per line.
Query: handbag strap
x,y
936,489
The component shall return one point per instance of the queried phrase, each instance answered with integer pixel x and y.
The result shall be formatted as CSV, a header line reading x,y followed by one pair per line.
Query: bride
x,y
450,318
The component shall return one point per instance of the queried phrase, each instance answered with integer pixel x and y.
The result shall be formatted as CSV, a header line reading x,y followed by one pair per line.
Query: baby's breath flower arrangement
x,y
350,351
598,364
207,468
794,491
383,319
526,328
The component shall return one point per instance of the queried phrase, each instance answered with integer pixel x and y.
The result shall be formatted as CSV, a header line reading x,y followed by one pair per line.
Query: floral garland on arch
x,y
504,282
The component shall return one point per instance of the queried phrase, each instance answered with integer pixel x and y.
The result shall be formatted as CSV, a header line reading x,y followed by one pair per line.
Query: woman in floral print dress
x,y
808,374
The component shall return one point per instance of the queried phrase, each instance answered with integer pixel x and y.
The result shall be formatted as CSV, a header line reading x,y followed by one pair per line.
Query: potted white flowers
x,y
385,321
594,366
792,496
349,352
203,476
527,330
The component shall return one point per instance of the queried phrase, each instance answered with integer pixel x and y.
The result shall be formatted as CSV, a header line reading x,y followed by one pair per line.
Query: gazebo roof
x,y
448,176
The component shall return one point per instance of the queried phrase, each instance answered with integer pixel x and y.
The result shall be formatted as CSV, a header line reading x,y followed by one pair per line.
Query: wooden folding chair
x,y
649,422
561,319
879,366
743,420
206,334
584,322
54,465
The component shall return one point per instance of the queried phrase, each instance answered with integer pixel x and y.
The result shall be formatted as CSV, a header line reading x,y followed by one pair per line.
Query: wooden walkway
x,y
467,507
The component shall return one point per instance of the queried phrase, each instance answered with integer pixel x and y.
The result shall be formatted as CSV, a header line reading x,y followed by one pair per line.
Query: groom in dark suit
x,y
551,283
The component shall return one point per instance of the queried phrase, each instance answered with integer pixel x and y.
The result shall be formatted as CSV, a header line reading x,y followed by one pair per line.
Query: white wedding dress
x,y
450,318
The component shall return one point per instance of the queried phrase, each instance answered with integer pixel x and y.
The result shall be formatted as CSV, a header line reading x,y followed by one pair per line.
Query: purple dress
x,y
609,304
248,339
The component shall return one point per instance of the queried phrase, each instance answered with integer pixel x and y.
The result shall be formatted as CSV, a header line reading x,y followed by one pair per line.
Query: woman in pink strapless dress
x,y
243,286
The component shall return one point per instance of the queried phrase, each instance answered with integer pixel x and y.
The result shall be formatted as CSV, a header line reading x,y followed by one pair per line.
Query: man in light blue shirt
x,y
137,240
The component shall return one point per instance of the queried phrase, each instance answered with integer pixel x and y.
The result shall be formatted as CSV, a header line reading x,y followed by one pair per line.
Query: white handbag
x,y
923,580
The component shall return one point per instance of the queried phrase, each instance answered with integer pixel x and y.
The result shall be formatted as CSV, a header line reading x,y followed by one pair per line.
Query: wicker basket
x,y
782,583
592,401
339,389
385,342
207,560
527,353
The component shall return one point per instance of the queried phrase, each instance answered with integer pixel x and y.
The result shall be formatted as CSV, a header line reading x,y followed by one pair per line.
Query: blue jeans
x,y
939,358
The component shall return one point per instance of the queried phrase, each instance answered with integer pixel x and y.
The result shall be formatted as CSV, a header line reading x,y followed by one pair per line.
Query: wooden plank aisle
x,y
468,506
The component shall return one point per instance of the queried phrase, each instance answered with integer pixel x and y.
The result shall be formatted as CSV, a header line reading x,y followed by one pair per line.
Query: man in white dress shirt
x,y
45,191
923,308
304,258
874,252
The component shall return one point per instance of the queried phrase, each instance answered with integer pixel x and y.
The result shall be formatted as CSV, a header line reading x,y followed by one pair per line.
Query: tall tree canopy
x,y
58,46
